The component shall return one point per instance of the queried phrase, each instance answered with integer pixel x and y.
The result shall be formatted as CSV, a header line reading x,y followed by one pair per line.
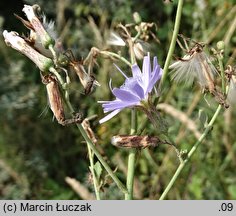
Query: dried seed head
x,y
134,141
33,39
86,125
196,65
140,49
56,103
87,80
16,42
45,38
54,97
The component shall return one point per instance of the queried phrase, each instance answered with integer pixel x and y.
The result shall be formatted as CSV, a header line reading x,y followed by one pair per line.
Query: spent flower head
x,y
38,27
195,65
135,91
18,43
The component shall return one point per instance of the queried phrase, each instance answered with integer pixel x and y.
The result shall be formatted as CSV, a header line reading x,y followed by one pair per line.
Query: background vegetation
x,y
37,154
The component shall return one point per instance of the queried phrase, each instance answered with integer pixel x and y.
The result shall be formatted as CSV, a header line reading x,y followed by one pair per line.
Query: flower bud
x,y
220,45
16,42
45,38
137,18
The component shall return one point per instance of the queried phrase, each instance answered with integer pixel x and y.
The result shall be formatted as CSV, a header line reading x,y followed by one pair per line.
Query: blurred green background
x,y
37,154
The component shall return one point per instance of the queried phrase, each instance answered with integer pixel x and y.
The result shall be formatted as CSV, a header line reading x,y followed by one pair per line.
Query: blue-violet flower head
x,y
135,89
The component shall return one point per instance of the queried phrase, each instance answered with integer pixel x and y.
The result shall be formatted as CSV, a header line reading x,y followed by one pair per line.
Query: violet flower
x,y
135,91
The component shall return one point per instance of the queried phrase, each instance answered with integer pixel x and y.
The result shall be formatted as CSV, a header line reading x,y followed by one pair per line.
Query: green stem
x,y
190,154
173,40
102,161
220,60
54,71
132,152
130,174
89,142
131,160
95,182
107,53
51,48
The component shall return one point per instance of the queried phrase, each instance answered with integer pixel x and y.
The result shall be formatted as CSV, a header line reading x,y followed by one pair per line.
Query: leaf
x,y
98,169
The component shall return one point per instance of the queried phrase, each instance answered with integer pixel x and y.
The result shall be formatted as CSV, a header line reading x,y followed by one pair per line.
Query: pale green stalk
x,y
89,142
132,152
108,53
220,60
95,181
193,149
173,41
190,154
102,161
131,159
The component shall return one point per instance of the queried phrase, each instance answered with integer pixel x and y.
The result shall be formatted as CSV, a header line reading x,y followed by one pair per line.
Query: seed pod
x,y
18,43
87,80
55,101
86,125
54,97
30,12
134,141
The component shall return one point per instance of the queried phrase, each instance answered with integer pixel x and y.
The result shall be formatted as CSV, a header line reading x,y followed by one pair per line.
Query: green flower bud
x,y
220,45
137,18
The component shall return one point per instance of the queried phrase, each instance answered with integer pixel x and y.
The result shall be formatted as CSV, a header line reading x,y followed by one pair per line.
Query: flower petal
x,y
146,71
109,116
155,63
134,85
138,90
125,95
156,75
121,71
117,104
136,71
135,88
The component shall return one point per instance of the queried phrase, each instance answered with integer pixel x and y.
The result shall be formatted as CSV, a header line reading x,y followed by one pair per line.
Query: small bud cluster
x,y
139,42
